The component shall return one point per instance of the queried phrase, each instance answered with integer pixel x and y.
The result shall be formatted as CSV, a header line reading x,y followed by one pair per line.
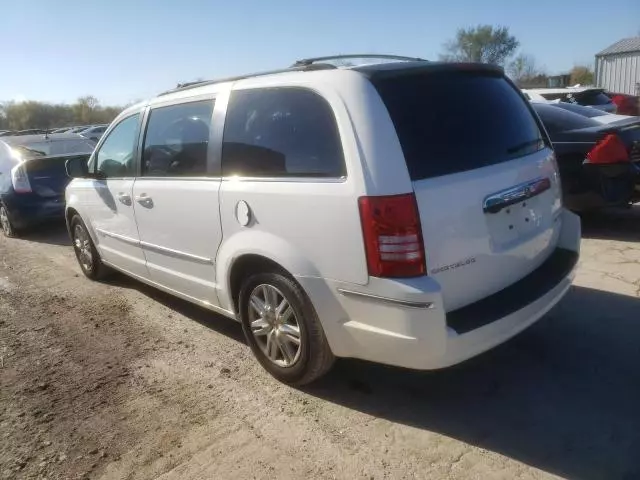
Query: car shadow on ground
x,y
563,396
54,233
621,224
214,321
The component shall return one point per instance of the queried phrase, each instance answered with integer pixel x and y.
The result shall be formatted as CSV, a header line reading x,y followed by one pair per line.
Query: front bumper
x,y
418,333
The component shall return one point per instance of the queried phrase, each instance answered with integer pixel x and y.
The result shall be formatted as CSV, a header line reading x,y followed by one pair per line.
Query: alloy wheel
x,y
82,244
274,325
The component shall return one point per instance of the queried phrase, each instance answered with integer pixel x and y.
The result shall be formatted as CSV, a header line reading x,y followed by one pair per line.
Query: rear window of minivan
x,y
449,122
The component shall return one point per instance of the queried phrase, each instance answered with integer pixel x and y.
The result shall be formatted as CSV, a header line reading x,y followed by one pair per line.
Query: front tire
x,y
5,222
283,330
86,252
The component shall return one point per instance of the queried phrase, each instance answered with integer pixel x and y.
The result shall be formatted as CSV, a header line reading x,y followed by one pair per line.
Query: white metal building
x,y
618,67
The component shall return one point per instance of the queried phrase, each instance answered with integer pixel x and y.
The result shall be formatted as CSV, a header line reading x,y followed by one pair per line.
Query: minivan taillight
x,y
392,236
608,150
19,179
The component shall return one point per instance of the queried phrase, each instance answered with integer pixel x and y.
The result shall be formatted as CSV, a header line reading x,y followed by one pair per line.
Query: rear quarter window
x,y
281,132
454,121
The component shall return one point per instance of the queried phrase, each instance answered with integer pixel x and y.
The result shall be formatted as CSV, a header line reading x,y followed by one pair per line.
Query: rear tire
x,y
5,222
86,252
283,330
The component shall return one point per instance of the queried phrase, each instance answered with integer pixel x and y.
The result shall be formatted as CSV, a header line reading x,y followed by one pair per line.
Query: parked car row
x,y
405,212
12,133
596,98
598,152
33,177
92,132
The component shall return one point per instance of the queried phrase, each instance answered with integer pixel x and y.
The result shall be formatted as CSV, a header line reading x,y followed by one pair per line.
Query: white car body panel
x,y
312,229
113,222
179,243
495,249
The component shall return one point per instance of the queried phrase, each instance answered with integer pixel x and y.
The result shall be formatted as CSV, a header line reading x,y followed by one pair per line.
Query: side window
x,y
116,155
177,140
281,132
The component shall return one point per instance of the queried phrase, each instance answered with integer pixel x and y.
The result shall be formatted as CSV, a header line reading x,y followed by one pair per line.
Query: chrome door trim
x,y
392,301
183,179
286,179
117,236
497,201
156,248
175,253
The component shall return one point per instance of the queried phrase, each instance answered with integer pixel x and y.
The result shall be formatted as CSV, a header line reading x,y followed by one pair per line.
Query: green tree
x,y
523,68
85,107
484,44
581,74
30,114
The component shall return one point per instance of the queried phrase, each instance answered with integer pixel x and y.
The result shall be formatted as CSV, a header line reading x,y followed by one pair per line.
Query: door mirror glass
x,y
77,167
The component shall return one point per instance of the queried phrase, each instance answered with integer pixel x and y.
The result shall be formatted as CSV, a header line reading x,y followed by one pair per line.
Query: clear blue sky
x,y
124,50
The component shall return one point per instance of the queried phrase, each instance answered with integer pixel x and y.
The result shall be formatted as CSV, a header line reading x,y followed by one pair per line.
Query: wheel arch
x,y
69,213
248,251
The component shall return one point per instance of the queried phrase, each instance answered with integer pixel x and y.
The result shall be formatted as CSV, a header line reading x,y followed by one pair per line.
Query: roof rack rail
x,y
311,61
296,68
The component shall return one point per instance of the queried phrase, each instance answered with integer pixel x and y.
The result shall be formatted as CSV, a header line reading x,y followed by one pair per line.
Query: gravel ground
x,y
117,380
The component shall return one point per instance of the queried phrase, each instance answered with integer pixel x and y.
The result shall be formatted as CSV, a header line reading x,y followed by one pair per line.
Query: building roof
x,y
631,44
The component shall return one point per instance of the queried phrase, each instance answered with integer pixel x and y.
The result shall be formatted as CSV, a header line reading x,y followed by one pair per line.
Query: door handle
x,y
124,199
144,200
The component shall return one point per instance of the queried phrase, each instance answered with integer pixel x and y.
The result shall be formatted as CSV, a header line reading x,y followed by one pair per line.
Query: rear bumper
x,y
403,323
27,210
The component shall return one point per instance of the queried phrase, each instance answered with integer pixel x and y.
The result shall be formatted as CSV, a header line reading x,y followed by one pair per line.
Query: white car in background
x,y
585,96
94,133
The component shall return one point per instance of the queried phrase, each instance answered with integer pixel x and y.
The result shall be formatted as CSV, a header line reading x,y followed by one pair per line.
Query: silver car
x,y
94,133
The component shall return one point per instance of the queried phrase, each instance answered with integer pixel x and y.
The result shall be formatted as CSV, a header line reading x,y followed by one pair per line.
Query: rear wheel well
x,y
248,264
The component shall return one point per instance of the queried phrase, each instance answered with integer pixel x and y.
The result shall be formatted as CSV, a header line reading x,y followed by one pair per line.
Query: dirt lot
x,y
117,380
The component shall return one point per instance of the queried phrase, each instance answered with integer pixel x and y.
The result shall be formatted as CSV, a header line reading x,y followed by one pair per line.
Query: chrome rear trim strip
x,y
392,301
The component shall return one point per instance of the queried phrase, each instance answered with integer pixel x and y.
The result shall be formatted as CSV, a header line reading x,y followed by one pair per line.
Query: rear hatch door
x,y
483,173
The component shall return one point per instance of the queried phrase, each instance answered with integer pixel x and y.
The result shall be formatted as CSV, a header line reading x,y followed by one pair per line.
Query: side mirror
x,y
77,167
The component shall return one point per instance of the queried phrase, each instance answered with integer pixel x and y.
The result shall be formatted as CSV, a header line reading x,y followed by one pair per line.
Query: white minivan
x,y
403,212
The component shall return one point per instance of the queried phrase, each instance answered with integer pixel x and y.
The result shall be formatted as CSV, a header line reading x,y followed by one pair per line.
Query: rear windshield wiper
x,y
523,145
